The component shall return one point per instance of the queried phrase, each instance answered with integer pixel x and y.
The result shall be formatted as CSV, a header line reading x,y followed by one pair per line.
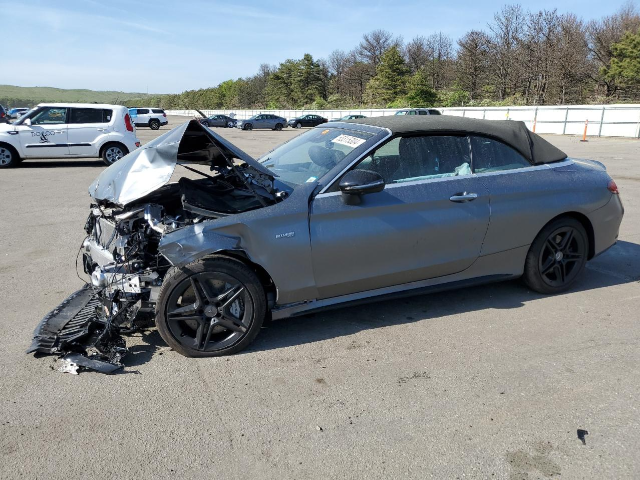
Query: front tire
x,y
278,127
248,127
557,256
298,125
112,152
211,307
230,125
9,157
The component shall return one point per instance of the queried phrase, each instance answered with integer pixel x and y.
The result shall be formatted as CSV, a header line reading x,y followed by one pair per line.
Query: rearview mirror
x,y
361,182
27,122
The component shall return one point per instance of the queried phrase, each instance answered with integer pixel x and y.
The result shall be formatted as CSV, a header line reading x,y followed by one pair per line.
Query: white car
x,y
67,130
153,118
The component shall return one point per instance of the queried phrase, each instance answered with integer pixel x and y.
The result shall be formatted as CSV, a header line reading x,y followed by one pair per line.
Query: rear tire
x,y
557,256
211,307
154,124
9,157
112,152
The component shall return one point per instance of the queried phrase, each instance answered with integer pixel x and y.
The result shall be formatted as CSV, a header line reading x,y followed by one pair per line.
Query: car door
x,y
429,221
47,134
88,129
143,116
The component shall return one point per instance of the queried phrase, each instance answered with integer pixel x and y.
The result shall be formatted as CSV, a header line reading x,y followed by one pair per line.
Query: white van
x,y
65,130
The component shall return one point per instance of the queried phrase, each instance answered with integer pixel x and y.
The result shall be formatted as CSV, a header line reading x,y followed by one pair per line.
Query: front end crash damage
x,y
133,207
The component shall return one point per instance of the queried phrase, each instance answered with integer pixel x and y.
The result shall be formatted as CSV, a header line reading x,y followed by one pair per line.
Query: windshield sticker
x,y
349,141
311,179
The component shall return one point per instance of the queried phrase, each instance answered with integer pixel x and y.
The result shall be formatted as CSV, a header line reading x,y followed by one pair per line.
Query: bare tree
x,y
439,66
472,62
338,63
503,48
374,44
417,53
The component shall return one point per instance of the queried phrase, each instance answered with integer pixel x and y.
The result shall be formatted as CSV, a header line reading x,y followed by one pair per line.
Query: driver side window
x,y
410,159
50,116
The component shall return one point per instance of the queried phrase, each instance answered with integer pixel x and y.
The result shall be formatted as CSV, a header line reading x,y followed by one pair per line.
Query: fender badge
x,y
285,235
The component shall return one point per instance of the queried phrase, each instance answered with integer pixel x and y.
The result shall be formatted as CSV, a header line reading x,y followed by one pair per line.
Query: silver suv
x,y
418,111
153,118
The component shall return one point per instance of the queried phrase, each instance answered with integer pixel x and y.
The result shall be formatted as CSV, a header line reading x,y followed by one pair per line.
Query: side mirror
x,y
27,122
361,182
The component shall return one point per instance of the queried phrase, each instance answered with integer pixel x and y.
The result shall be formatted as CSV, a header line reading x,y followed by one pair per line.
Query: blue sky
x,y
167,46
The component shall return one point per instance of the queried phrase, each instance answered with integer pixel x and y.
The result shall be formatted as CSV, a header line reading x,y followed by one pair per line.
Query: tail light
x,y
2,115
612,187
127,122
164,115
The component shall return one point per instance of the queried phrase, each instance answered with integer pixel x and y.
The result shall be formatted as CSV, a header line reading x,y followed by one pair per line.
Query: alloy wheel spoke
x,y
231,323
200,335
551,245
548,266
178,318
209,331
178,312
559,268
202,295
566,241
232,298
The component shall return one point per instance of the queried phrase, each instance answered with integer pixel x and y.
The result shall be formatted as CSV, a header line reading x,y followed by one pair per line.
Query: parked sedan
x,y
344,213
264,120
347,117
219,121
307,121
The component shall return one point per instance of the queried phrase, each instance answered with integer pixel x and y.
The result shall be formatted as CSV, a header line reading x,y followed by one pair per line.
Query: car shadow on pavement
x,y
76,163
620,265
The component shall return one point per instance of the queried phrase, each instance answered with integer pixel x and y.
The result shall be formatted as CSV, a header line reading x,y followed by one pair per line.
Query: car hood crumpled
x,y
150,167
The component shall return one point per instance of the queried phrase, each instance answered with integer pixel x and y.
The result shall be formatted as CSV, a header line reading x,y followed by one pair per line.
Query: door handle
x,y
463,197
102,129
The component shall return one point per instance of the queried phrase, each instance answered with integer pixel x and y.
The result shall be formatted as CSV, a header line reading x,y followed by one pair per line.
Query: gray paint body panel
x,y
320,252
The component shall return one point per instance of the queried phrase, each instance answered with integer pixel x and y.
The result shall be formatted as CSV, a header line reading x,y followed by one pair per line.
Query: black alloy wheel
x,y
278,127
154,125
557,256
211,307
248,127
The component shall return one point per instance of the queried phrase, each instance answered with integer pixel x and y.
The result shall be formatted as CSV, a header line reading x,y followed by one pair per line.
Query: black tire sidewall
x,y
225,265
532,276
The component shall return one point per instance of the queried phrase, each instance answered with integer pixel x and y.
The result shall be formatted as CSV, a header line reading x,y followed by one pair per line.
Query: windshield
x,y
25,115
311,155
402,112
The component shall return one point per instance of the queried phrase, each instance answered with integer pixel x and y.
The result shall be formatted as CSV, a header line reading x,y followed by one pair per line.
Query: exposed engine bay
x,y
120,252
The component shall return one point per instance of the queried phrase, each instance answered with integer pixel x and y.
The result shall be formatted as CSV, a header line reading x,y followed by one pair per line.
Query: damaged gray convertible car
x,y
343,213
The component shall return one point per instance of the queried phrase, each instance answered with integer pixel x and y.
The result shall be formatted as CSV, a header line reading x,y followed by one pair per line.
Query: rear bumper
x,y
606,224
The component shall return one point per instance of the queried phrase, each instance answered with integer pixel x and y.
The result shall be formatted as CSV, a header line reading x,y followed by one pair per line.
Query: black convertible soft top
x,y
533,147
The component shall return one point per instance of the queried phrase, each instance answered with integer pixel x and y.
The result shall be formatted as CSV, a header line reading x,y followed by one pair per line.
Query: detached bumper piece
x,y
83,331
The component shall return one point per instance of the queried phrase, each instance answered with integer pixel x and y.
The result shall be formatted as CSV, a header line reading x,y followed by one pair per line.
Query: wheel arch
x,y
586,223
10,147
240,255
112,142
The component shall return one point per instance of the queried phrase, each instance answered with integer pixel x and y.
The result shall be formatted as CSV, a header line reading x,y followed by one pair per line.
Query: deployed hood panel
x,y
150,167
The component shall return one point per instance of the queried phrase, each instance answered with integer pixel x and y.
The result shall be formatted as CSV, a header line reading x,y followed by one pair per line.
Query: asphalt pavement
x,y
483,382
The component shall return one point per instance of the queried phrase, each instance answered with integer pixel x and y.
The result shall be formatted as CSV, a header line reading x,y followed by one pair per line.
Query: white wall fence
x,y
603,120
